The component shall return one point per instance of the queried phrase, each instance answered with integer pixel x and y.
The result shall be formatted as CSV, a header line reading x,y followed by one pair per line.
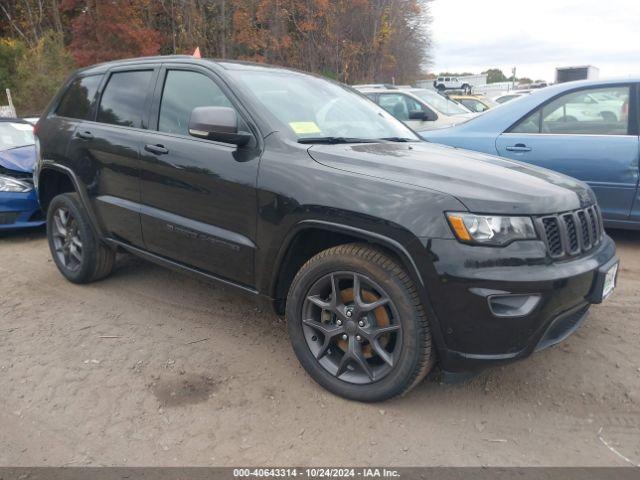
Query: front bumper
x,y
461,280
20,210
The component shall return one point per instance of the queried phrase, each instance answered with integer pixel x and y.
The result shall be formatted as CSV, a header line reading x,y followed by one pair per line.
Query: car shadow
x,y
629,237
33,233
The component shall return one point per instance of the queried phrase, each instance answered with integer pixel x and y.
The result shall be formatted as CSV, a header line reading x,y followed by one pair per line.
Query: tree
x,y
495,75
353,41
29,20
103,30
11,51
40,72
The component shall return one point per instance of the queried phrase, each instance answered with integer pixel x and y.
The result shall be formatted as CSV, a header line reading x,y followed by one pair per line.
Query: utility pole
x,y
224,29
513,78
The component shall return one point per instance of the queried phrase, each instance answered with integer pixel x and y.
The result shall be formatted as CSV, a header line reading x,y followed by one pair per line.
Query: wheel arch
x,y
310,237
54,179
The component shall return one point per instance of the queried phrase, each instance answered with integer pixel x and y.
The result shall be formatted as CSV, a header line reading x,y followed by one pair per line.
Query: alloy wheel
x,y
352,327
66,239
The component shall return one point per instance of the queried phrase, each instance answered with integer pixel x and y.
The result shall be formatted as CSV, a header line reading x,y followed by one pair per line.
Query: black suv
x,y
386,253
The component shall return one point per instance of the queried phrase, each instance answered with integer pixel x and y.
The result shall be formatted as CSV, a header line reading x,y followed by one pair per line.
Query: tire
x,y
76,250
394,362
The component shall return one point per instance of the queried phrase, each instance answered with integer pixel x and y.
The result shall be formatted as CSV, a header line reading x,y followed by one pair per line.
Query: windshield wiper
x,y
336,140
399,139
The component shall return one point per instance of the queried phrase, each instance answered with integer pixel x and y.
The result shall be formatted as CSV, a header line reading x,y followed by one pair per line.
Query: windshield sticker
x,y
304,128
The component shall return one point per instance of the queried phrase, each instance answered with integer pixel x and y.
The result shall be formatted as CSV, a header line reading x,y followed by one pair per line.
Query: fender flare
x,y
79,189
403,254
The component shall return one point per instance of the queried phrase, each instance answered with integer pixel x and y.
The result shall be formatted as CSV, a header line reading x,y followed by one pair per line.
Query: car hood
x,y
483,183
21,159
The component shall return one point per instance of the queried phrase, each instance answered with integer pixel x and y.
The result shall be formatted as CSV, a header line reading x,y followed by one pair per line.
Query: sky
x,y
536,36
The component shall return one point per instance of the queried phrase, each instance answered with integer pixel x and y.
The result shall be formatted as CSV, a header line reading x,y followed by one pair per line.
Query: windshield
x,y
440,103
314,108
14,135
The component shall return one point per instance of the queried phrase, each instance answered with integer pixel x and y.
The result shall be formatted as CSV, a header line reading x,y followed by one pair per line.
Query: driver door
x,y
198,196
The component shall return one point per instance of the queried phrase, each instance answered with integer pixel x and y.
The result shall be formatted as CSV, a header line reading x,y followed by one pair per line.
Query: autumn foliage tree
x,y
354,41
103,30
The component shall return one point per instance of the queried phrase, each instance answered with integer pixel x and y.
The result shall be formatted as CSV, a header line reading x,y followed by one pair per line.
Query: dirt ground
x,y
149,367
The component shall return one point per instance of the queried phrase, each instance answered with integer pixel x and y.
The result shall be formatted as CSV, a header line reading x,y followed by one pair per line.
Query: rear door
x,y
106,152
199,196
590,134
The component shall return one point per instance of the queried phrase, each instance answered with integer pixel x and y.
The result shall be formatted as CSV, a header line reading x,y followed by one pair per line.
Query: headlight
x,y
8,184
491,229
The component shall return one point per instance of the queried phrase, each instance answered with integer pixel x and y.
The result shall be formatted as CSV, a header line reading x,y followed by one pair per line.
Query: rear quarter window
x,y
79,98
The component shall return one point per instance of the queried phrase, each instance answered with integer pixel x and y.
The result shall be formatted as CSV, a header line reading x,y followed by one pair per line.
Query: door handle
x,y
86,135
518,147
157,149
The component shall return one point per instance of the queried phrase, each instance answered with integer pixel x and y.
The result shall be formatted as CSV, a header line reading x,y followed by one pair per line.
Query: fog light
x,y
513,305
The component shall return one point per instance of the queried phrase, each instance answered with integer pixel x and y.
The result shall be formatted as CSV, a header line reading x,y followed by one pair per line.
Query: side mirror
x,y
217,123
424,115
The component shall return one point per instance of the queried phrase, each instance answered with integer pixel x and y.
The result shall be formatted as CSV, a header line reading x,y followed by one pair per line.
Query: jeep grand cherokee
x,y
386,253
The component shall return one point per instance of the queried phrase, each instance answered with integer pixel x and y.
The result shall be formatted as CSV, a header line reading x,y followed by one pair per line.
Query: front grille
x,y
571,233
552,233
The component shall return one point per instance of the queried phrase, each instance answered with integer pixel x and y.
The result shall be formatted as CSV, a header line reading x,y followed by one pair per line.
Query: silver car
x,y
420,108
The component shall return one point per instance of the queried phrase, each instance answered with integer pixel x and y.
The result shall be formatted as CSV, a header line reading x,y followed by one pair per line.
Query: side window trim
x,y
148,98
633,91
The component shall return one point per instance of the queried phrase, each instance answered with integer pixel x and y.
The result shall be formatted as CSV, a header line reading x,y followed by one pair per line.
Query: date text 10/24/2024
x,y
316,473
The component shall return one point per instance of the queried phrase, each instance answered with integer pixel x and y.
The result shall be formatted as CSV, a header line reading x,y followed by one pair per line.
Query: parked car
x,y
419,108
474,103
588,130
464,83
387,254
18,201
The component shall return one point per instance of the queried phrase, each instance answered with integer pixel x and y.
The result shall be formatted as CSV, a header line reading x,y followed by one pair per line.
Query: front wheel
x,y
357,325
79,255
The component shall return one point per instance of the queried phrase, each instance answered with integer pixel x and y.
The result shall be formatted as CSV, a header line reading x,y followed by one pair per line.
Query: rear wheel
x,y
357,325
77,252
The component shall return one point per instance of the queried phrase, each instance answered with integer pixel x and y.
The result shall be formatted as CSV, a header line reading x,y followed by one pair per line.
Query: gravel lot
x,y
149,367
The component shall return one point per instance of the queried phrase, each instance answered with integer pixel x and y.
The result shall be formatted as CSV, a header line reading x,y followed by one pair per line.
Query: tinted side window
x,y
123,99
79,99
183,91
601,111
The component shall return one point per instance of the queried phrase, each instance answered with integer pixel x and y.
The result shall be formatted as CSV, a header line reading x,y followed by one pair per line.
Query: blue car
x,y
19,206
586,129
